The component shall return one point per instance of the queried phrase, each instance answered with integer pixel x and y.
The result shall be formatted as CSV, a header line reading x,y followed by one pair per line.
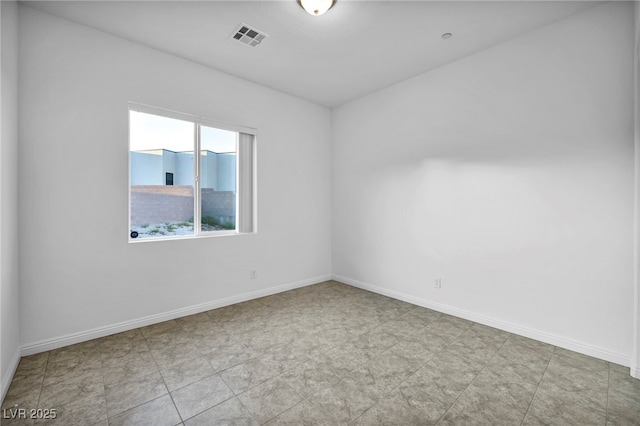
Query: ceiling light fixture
x,y
316,7
447,36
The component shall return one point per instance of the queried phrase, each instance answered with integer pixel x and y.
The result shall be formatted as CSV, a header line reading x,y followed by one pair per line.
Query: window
x,y
188,176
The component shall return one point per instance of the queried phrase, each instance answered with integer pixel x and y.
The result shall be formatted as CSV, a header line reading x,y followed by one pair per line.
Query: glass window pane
x,y
162,177
218,179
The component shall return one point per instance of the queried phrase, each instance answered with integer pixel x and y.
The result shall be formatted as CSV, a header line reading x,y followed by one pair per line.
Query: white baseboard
x,y
541,336
70,339
7,376
83,336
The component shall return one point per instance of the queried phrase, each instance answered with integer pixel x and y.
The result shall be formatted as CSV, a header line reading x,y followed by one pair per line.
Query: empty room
x,y
317,212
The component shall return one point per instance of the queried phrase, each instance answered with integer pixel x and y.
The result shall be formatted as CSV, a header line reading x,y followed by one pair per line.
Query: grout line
x,y
104,385
253,416
419,368
173,401
206,409
606,408
302,401
538,386
161,376
44,375
476,376
223,381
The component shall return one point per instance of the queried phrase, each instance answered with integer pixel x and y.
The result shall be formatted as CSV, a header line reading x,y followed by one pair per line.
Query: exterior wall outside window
x,y
150,168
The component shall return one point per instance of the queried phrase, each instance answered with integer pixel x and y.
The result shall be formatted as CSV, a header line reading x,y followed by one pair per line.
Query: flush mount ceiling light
x,y
316,7
446,36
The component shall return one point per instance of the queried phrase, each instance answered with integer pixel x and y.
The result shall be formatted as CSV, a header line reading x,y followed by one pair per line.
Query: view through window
x,y
184,177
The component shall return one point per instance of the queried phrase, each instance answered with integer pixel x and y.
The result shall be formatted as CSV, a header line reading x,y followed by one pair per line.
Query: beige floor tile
x,y
79,412
269,399
124,396
249,374
158,412
393,411
229,413
62,393
23,392
303,414
200,396
171,354
223,357
32,365
344,402
187,372
310,377
129,368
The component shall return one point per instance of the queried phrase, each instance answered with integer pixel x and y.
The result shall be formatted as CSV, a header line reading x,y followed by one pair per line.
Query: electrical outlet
x,y
252,275
438,283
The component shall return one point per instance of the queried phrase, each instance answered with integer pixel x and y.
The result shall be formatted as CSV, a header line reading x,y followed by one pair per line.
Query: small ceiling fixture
x,y
316,7
446,36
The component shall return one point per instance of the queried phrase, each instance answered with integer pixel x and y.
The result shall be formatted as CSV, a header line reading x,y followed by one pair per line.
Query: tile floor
x,y
321,355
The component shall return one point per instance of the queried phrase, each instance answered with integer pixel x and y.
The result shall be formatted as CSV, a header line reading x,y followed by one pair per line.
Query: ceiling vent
x,y
249,36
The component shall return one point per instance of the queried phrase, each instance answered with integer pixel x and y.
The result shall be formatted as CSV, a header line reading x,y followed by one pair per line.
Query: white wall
x,y
9,294
509,175
77,270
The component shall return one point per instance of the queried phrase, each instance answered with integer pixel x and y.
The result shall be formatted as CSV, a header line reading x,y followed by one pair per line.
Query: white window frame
x,y
246,176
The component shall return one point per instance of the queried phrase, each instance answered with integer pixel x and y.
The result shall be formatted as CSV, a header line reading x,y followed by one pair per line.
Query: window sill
x,y
191,237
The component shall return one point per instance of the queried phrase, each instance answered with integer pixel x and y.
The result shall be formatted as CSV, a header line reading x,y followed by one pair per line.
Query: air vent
x,y
249,36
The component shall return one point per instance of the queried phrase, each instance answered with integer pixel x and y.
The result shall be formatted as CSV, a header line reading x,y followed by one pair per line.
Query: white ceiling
x,y
355,48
